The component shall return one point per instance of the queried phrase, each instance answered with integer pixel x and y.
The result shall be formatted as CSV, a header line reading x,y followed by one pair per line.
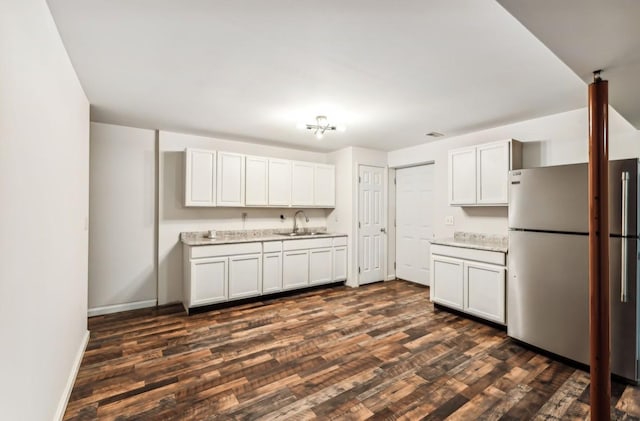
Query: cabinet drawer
x,y
306,244
197,252
269,246
340,241
493,257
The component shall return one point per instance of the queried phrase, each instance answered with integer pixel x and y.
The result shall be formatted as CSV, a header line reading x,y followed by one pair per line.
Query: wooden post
x,y
599,359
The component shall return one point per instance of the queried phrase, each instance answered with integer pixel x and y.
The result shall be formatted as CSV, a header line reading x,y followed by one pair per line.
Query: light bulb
x,y
341,128
319,136
301,126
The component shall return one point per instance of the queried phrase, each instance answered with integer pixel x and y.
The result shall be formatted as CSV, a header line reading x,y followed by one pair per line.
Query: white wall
x,y
552,140
340,218
44,183
122,272
175,218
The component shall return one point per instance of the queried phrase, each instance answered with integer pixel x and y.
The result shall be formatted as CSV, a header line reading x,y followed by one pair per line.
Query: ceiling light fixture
x,y
322,125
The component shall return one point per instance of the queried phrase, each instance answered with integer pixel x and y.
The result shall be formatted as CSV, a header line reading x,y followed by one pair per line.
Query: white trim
x,y
391,277
66,393
98,311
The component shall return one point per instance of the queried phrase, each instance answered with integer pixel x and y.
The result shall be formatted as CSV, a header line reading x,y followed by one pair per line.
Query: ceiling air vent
x,y
434,134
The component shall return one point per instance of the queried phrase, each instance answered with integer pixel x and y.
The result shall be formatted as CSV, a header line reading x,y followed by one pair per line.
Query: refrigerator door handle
x,y
625,231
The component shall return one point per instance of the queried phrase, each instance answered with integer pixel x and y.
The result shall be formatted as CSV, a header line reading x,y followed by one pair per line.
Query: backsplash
x,y
497,239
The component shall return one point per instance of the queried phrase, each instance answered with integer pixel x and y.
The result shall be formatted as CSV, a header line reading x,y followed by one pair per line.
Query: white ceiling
x,y
391,71
589,35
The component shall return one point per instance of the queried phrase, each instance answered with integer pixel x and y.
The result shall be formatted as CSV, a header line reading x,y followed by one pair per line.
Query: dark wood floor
x,y
375,352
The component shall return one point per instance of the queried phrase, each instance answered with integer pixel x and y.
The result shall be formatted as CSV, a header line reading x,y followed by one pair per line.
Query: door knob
x,y
383,230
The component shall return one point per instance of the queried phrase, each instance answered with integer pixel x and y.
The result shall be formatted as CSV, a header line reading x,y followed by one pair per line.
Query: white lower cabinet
x,y
245,276
295,269
448,288
472,286
340,263
272,272
485,291
320,266
219,273
209,281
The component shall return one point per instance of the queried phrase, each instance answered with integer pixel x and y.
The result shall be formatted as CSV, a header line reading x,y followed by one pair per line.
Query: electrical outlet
x,y
448,220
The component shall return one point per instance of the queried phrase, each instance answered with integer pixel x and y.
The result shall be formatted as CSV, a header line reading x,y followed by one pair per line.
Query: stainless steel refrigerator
x,y
548,281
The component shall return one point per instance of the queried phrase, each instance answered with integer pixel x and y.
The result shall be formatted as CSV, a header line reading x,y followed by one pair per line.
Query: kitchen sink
x,y
302,234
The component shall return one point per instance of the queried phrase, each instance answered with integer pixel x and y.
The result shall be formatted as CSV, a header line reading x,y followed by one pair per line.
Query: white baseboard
x,y
98,311
66,393
391,277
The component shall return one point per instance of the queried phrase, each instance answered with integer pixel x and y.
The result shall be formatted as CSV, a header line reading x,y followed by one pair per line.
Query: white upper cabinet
x,y
302,177
492,170
479,175
230,186
200,177
217,178
462,176
279,182
324,185
257,181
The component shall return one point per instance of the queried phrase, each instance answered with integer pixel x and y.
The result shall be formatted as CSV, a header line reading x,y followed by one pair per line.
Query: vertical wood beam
x,y
599,358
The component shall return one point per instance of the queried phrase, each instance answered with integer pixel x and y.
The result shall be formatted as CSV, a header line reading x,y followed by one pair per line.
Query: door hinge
x,y
358,269
359,179
394,265
394,222
359,225
394,181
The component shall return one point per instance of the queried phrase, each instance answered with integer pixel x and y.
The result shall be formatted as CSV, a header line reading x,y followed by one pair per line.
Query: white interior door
x,y
414,222
372,226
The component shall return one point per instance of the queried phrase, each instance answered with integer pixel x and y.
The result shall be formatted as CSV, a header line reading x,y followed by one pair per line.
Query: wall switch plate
x,y
448,220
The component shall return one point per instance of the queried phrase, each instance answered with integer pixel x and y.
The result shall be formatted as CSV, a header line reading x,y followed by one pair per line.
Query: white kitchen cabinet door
x,y
302,183
245,275
447,281
209,281
200,177
484,287
492,170
279,182
324,191
320,266
272,272
230,185
256,181
295,269
340,263
462,176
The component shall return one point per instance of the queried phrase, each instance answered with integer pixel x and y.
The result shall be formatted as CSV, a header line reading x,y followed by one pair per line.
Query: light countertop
x,y
248,236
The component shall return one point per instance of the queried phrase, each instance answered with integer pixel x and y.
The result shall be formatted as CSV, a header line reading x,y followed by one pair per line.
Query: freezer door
x,y
549,199
616,169
547,292
624,323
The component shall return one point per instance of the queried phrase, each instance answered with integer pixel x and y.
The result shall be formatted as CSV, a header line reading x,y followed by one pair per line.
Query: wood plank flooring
x,y
376,352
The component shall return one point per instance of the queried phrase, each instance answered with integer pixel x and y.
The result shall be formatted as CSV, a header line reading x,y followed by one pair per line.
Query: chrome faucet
x,y
295,220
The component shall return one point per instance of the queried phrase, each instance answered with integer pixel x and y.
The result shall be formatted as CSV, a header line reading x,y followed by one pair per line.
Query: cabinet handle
x,y
383,230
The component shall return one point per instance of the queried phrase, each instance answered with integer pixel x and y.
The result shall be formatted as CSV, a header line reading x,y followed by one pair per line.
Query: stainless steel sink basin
x,y
302,234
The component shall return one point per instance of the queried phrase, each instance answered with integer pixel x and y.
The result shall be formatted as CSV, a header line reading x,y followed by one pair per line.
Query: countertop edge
x,y
270,238
452,243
